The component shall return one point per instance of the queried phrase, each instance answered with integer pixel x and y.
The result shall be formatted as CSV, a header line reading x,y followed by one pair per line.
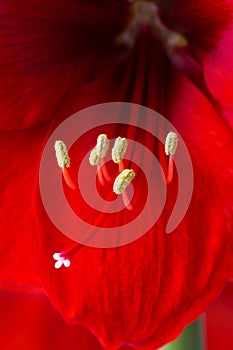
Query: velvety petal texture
x,y
219,320
47,48
20,154
60,57
207,25
39,326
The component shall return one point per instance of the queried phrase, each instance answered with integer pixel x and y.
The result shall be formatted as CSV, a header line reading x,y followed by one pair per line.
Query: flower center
x,y
146,13
121,182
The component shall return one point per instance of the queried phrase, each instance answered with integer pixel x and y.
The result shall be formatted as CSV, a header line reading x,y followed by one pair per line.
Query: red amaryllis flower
x,y
174,57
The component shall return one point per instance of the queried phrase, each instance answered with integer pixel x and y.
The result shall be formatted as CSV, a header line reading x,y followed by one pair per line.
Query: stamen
x,y
123,180
63,161
62,155
126,201
171,143
170,149
100,175
102,145
105,171
68,179
94,158
119,149
121,166
170,170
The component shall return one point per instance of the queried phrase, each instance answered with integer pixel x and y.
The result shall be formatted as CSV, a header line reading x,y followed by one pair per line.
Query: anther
x,y
171,143
123,180
62,155
119,149
170,149
102,145
63,161
94,158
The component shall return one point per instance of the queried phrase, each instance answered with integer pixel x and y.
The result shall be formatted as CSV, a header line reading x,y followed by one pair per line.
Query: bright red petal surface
x,y
29,322
20,155
47,48
218,70
219,320
207,25
144,293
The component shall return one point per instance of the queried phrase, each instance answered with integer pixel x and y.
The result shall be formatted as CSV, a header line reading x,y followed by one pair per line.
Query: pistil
x,y
65,257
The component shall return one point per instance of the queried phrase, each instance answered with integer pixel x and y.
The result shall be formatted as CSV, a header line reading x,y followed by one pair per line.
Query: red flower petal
x,y
207,25
218,70
219,320
145,292
47,49
19,155
202,22
41,327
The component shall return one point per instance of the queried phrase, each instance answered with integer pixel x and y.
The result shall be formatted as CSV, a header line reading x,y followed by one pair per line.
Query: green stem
x,y
192,338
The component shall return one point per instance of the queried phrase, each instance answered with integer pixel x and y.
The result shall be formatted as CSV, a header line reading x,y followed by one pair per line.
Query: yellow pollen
x,y
102,145
171,143
123,180
119,149
94,158
62,155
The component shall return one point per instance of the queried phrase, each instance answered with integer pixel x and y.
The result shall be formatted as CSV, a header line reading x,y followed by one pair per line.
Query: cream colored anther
x,y
119,149
62,155
171,143
123,180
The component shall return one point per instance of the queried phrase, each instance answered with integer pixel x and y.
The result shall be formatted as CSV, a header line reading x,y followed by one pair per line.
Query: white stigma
x,y
61,260
62,155
119,149
171,143
102,145
123,180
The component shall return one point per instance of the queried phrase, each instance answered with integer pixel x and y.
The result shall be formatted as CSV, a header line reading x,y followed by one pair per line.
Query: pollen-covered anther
x,y
94,158
60,260
102,145
123,180
119,149
62,155
63,161
171,143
